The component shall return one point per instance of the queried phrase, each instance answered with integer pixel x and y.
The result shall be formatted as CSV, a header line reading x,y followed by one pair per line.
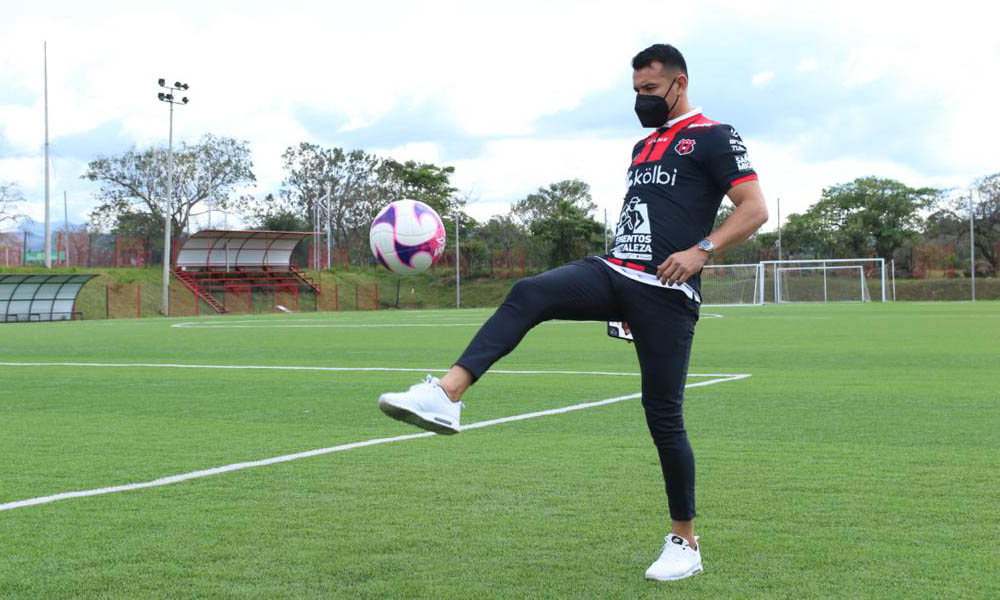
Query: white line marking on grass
x,y
289,457
279,325
295,368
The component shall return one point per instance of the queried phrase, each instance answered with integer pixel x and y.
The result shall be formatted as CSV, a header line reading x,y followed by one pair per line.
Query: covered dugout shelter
x,y
40,297
214,263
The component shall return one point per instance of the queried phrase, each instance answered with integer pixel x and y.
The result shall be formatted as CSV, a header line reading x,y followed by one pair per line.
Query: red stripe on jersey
x,y
658,143
617,261
743,180
635,266
663,142
645,151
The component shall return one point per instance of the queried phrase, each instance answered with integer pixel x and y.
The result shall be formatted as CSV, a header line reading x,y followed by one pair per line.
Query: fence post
x,y
296,298
249,301
356,307
138,298
397,292
195,296
107,301
336,297
376,295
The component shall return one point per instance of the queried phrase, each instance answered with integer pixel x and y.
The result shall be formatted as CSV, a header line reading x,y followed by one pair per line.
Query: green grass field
x,y
859,460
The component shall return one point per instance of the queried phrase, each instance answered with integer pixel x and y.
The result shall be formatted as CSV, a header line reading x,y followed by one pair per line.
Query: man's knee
x,y
527,292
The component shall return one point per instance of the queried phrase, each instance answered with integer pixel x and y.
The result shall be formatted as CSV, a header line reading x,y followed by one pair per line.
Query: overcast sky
x,y
514,95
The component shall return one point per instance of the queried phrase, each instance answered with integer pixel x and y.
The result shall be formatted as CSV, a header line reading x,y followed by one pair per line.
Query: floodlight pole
x,y
167,206
48,224
329,230
779,230
168,216
65,229
458,264
605,230
972,246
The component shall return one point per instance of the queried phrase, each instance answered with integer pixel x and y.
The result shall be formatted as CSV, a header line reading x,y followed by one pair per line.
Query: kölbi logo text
x,y
651,175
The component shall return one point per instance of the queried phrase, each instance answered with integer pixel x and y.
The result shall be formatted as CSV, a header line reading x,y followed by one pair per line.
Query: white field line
x,y
295,368
289,457
327,325
296,325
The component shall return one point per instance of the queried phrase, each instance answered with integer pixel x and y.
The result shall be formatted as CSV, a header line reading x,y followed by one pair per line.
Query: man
x,y
650,281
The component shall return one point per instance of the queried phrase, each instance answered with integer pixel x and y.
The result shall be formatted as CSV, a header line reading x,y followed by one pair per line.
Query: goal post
x,y
825,280
732,285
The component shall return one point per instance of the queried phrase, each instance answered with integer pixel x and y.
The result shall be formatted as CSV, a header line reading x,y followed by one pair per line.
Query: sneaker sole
x,y
690,573
429,421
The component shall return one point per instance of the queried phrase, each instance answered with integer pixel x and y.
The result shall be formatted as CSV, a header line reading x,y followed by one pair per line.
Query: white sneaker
x,y
677,560
425,405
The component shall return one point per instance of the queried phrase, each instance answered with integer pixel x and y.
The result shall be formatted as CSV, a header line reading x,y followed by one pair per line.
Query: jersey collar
x,y
694,111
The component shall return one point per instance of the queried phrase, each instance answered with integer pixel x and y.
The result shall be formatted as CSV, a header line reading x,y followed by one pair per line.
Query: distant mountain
x,y
37,228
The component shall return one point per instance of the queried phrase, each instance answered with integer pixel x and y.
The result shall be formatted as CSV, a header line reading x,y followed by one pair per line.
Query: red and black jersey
x,y
676,182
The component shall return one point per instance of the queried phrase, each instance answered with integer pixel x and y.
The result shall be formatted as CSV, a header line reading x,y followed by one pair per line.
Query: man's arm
x,y
750,214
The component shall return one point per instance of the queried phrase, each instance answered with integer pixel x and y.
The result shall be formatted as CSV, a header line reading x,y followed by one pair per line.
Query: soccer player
x,y
677,178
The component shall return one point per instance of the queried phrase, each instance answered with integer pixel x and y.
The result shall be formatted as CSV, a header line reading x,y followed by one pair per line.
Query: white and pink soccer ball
x,y
407,237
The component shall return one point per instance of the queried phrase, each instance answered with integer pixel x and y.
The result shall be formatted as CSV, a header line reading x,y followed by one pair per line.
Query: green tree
x,y
559,216
135,182
502,232
951,220
810,234
282,220
872,214
543,203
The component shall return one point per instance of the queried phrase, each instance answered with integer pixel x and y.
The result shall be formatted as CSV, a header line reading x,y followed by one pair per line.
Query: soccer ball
x,y
407,236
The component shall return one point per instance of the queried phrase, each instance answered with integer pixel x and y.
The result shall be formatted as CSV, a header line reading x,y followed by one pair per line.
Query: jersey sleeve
x,y
726,158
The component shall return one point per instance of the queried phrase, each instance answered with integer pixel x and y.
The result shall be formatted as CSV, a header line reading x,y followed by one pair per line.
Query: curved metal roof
x,y
39,297
214,248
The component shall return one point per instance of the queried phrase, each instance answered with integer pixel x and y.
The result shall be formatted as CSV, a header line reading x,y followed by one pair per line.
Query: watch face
x,y
705,245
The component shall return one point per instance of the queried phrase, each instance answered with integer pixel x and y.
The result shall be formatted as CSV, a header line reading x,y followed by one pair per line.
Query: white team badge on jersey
x,y
633,238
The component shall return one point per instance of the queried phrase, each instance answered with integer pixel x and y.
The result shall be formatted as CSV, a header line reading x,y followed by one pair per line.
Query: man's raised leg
x,y
581,291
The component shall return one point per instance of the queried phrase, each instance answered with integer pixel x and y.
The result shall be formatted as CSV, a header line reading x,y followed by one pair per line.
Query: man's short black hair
x,y
665,54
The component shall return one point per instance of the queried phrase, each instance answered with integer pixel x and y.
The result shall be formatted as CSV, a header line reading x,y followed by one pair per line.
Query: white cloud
x,y
807,65
763,78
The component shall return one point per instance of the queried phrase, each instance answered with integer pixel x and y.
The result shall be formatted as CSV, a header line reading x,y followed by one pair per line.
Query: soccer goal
x,y
829,280
732,285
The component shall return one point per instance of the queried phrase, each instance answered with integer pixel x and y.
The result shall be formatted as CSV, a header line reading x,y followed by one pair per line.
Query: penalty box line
x,y
164,481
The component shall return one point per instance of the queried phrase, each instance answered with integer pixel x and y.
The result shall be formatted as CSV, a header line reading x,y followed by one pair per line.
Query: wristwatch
x,y
707,245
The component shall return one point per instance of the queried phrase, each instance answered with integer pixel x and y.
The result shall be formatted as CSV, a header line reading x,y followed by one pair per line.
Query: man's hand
x,y
679,266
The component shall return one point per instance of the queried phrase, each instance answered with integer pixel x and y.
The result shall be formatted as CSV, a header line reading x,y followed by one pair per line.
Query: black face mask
x,y
653,110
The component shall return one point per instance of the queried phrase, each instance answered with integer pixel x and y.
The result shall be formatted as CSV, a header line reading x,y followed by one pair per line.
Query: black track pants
x,y
662,322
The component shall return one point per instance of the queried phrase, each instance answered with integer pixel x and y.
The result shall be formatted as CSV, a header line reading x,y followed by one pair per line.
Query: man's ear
x,y
682,82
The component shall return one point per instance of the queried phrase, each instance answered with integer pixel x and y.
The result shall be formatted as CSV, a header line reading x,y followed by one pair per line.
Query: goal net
x,y
830,280
823,284
731,285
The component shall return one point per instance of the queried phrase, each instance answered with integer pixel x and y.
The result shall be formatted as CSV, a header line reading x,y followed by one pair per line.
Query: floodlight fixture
x,y
162,82
185,86
184,100
160,95
177,84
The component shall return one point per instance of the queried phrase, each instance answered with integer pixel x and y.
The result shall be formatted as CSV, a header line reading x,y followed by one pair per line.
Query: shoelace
x,y
667,543
429,380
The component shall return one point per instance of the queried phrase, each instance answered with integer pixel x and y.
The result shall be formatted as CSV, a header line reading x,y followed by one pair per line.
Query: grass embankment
x,y
129,292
